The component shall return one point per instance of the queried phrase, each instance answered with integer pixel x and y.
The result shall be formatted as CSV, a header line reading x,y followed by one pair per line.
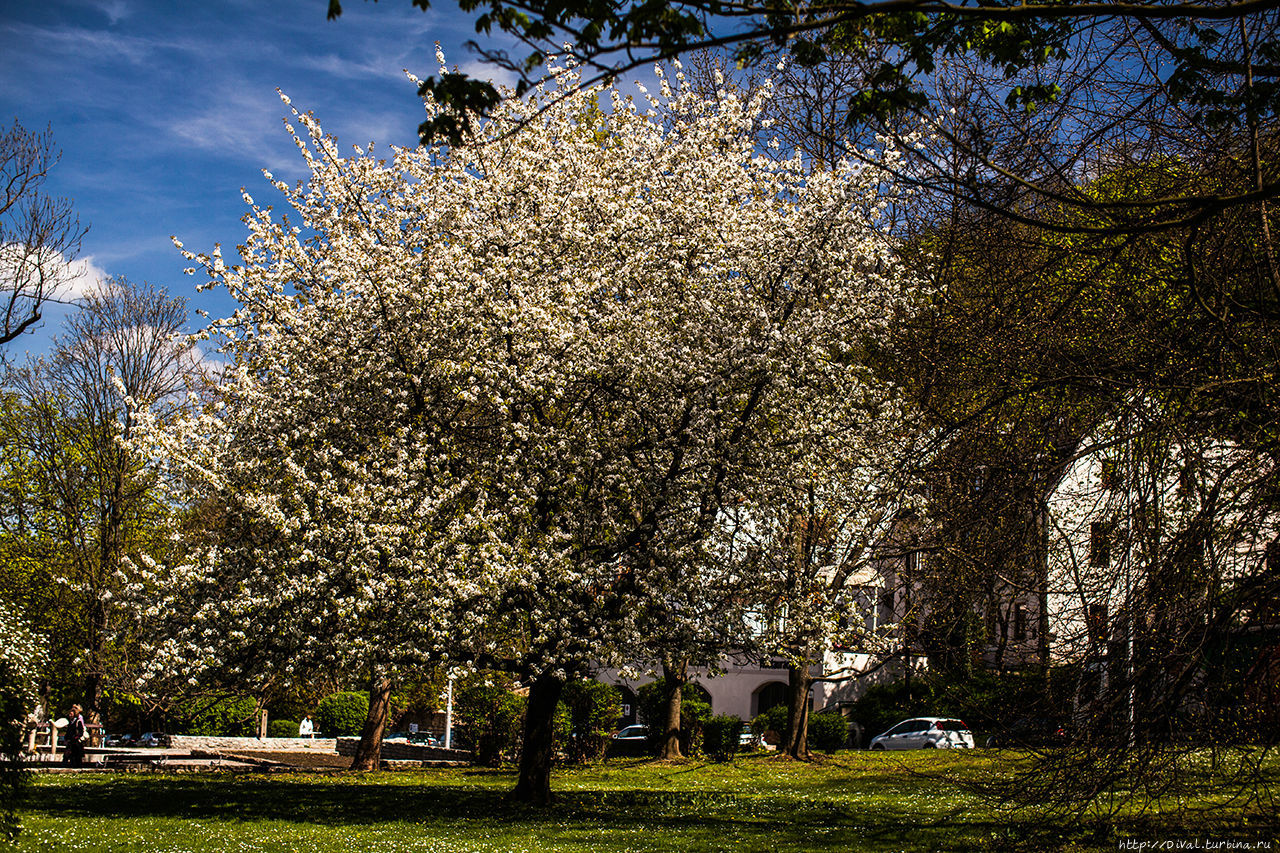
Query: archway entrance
x,y
767,696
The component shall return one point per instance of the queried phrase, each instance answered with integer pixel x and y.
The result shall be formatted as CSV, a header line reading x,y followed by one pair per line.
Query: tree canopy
x,y
488,401
1022,98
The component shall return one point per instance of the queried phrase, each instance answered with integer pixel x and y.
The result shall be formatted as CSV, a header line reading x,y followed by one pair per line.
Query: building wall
x,y
735,690
1129,504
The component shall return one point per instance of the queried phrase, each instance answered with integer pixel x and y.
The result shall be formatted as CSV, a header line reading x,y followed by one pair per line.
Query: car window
x,y
901,728
954,726
919,725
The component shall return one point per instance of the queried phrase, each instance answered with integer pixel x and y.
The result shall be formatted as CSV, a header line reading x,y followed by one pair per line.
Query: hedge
x,y
342,714
282,728
829,731
490,720
721,736
593,709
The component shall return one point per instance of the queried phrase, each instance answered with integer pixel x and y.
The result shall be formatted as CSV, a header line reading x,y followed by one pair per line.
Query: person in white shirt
x,y
306,728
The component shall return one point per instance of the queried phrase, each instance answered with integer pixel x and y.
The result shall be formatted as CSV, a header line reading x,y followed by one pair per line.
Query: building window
x,y
1099,545
1096,622
1019,622
1187,480
1109,475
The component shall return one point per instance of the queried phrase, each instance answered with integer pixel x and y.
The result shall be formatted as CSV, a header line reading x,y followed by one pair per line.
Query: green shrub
x,y
342,714
282,728
828,732
984,701
22,655
720,736
219,716
772,720
490,720
694,713
593,709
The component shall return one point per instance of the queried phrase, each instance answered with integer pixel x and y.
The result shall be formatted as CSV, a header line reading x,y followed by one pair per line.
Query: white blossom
x,y
484,397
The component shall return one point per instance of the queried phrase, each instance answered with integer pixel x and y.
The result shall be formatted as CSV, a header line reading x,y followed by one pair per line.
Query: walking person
x,y
76,737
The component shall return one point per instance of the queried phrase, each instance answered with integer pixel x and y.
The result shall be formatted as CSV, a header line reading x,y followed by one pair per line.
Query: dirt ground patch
x,y
302,760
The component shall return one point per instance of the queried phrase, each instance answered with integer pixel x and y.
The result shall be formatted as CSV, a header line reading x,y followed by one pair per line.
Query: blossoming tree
x,y
487,401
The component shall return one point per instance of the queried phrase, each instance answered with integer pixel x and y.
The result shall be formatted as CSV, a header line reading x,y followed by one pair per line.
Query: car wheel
x,y
991,743
877,747
930,746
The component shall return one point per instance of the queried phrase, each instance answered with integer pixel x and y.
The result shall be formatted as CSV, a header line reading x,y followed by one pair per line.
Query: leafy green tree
x,y
1045,348
219,716
81,510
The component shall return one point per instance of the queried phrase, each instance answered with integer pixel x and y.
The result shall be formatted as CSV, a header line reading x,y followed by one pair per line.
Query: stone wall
x,y
401,751
267,744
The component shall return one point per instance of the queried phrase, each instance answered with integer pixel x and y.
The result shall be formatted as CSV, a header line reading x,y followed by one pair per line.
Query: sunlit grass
x,y
854,801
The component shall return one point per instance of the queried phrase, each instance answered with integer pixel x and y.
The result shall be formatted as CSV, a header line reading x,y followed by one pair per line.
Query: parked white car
x,y
926,733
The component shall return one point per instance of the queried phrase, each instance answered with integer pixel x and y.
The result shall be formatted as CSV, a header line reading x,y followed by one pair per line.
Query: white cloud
x,y
354,69
241,125
482,70
63,280
116,11
62,42
83,277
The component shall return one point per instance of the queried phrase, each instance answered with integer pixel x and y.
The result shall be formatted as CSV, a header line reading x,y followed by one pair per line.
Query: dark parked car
x,y
153,739
633,740
1029,732
425,739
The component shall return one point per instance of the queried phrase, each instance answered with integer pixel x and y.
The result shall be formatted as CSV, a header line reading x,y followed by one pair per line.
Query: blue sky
x,y
164,110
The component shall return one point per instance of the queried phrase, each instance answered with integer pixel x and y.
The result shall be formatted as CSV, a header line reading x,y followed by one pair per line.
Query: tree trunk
x,y
92,702
798,683
369,750
110,558
534,783
1042,590
675,674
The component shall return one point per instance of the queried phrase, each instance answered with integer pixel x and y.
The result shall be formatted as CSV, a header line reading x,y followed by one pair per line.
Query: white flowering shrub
x,y
22,654
483,399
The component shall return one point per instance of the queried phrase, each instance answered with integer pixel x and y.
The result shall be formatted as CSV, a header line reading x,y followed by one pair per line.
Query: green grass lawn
x,y
855,801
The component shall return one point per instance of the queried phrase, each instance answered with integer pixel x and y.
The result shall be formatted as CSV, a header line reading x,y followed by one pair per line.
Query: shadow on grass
x,y
791,822
788,817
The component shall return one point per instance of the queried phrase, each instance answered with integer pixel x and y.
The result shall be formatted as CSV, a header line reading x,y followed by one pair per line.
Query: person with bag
x,y
77,736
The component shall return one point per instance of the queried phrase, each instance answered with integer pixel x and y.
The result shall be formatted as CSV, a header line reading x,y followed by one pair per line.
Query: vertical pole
x,y
448,716
1131,479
